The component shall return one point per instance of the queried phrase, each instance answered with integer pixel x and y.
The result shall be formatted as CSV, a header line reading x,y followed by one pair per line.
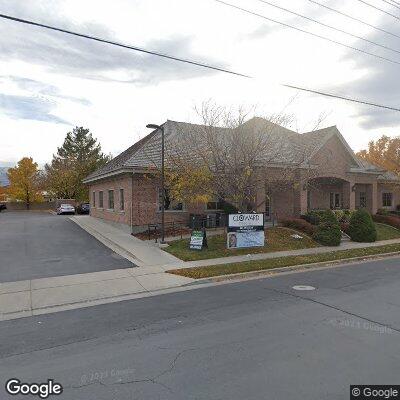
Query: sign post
x,y
245,230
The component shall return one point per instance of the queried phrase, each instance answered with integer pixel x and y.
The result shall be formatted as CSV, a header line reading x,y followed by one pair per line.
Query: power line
x,y
308,32
194,62
329,26
391,4
139,49
354,18
379,9
341,97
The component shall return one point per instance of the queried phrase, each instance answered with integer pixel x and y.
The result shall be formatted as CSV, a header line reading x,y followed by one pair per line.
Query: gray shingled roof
x,y
285,145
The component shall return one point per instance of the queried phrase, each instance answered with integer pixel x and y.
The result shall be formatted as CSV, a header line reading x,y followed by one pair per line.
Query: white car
x,y
65,209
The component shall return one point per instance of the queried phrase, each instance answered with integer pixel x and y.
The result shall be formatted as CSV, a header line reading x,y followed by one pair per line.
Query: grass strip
x,y
277,239
247,266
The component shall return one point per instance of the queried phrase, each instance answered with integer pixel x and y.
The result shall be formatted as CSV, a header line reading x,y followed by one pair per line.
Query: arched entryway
x,y
329,193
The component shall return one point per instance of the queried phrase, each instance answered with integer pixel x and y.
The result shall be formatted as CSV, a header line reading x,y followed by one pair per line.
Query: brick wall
x,y
143,209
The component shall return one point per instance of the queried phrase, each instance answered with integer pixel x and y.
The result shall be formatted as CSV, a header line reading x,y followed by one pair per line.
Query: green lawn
x,y
277,239
386,232
247,266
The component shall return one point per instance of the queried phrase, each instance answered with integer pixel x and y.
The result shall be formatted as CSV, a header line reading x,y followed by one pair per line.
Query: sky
x,y
51,82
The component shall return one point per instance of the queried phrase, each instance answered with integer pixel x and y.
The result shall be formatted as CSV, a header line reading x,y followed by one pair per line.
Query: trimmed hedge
x,y
388,220
328,230
299,225
362,228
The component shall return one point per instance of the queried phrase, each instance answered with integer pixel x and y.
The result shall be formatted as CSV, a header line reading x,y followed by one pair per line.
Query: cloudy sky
x,y
51,82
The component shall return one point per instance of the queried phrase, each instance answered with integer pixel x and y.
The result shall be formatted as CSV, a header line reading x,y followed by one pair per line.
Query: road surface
x,y
256,340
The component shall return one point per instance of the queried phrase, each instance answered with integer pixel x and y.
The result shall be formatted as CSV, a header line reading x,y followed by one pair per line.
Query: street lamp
x,y
161,128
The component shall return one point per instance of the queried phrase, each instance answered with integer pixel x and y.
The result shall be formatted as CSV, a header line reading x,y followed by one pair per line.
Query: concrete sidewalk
x,y
141,253
46,295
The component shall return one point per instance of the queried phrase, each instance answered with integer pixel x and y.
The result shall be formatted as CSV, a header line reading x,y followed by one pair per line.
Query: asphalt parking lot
x,y
40,245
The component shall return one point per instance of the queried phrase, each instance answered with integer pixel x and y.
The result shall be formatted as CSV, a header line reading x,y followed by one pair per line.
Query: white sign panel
x,y
245,230
244,220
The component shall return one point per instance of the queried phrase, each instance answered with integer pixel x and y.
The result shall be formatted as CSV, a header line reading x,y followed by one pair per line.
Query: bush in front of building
x,y
314,216
388,220
328,230
298,224
362,227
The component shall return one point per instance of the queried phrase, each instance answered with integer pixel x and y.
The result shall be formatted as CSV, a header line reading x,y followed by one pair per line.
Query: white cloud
x,y
50,77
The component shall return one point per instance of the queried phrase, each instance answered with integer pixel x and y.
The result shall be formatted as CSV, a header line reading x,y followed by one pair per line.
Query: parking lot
x,y
40,245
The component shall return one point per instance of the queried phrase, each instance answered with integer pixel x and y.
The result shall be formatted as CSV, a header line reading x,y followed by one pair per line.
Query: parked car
x,y
65,209
3,206
83,208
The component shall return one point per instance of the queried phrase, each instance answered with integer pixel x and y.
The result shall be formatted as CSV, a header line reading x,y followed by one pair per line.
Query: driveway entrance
x,y
40,245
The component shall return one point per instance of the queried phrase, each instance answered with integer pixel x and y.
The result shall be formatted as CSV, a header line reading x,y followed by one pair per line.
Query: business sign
x,y
245,230
198,240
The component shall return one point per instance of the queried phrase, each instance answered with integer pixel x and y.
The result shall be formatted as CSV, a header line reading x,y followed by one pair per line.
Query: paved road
x,y
251,340
40,245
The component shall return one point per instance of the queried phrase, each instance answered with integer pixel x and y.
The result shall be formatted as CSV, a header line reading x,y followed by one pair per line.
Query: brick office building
x,y
124,191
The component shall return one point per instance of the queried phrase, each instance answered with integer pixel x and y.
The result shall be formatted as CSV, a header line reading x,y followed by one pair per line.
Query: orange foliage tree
x,y
25,182
384,152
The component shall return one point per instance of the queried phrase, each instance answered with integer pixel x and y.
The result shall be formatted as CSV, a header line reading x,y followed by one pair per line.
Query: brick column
x,y
374,198
260,198
349,196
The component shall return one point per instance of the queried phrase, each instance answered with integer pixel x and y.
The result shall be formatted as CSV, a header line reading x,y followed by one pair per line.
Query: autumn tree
x,y
79,156
384,152
25,182
222,158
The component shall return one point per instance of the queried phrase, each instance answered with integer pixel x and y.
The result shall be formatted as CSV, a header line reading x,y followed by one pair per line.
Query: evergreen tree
x,y
362,228
328,230
79,156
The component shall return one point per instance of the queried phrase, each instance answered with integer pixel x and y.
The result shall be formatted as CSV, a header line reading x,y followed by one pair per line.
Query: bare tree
x,y
232,155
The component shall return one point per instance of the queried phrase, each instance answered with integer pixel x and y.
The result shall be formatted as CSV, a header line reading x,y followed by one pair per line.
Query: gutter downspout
x,y
132,204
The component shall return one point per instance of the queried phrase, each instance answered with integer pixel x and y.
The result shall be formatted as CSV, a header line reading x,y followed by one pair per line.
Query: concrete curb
x,y
291,269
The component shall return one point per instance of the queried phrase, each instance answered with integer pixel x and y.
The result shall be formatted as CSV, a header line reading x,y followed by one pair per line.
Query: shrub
x,y
388,220
298,224
362,228
314,216
328,230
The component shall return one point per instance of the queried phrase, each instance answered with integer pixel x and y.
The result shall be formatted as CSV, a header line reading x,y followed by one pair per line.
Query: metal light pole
x,y
161,128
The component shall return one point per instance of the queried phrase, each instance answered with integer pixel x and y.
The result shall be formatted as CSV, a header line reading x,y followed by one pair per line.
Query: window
x,y
111,199
94,199
121,200
214,205
101,199
387,198
169,203
334,200
363,199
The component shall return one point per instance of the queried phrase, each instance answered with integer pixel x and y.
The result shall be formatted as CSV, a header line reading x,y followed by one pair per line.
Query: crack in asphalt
x,y
153,380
